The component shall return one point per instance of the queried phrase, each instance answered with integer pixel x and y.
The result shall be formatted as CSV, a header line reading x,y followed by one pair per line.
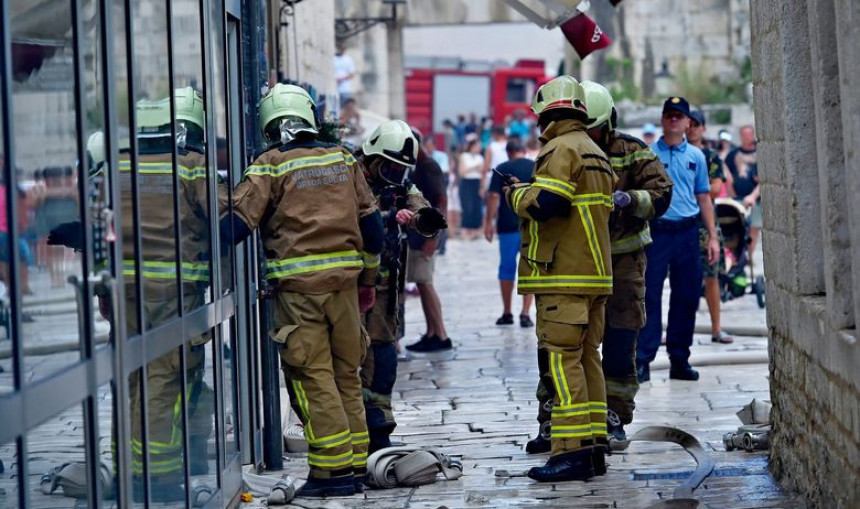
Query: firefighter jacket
x,y
308,199
569,251
640,174
157,259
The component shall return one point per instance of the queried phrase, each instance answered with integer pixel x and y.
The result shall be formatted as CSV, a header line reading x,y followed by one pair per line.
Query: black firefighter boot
x,y
568,466
343,486
542,442
598,458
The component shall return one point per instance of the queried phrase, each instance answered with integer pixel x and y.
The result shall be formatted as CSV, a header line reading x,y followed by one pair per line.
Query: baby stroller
x,y
734,225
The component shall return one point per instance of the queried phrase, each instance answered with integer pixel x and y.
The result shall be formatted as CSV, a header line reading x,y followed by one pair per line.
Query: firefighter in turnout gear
x,y
565,262
322,234
643,192
388,155
162,278
158,268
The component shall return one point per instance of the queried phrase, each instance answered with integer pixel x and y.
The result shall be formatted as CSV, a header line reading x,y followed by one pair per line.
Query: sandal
x,y
722,338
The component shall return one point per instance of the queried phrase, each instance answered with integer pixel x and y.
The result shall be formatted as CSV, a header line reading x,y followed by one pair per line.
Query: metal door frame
x,y
30,404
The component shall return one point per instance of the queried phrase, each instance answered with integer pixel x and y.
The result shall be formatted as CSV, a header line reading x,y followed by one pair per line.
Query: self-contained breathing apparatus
x,y
392,199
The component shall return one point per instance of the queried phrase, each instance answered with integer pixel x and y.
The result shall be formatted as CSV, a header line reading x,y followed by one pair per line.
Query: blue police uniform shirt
x,y
687,167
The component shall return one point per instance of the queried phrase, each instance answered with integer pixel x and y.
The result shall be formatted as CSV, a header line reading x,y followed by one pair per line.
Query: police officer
x,y
388,155
322,235
565,261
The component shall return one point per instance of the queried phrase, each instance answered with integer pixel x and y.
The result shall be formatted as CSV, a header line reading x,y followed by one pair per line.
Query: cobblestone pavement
x,y
476,402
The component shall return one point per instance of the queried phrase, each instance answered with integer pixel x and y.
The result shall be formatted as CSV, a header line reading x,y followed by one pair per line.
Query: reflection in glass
x,y
201,421
57,462
8,475
49,173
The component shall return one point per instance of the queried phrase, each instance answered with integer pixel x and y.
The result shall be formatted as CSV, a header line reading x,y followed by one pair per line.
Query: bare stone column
x,y
396,77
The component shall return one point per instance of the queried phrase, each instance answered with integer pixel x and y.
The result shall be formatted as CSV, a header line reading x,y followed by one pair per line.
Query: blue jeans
x,y
675,250
509,253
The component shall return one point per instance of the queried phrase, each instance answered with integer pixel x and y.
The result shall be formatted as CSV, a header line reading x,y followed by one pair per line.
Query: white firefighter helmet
x,y
394,141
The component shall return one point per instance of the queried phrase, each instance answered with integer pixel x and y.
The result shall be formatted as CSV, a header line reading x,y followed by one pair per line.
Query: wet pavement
x,y
476,403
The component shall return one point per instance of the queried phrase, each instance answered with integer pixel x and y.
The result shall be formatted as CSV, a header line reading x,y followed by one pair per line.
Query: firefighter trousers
x,y
625,315
379,369
322,350
570,329
164,398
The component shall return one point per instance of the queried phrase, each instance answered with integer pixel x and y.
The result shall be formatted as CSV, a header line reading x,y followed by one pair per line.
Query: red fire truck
x,y
439,89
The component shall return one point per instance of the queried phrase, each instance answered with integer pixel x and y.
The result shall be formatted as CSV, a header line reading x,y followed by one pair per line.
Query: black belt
x,y
681,224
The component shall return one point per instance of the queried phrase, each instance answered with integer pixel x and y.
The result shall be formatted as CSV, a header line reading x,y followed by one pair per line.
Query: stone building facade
x,y
806,73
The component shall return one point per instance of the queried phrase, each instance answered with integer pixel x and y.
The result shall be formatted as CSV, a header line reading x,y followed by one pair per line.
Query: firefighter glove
x,y
621,199
430,221
67,234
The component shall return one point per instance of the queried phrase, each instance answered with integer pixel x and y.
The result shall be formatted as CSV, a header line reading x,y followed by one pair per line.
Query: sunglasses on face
x,y
673,115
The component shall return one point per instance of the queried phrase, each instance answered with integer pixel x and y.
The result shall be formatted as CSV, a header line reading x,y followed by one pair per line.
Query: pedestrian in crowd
x,y
460,129
724,146
428,178
322,233
532,148
675,249
485,131
711,271
507,225
388,154
56,202
5,249
494,155
444,163
643,193
741,162
649,133
449,136
469,167
350,118
566,262
344,72
519,126
472,126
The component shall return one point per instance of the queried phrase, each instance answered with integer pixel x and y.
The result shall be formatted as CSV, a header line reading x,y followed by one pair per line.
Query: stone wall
x,y
307,43
806,71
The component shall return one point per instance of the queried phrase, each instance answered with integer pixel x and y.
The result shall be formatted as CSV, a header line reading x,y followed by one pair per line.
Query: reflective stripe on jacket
x,y
641,174
566,254
307,198
158,223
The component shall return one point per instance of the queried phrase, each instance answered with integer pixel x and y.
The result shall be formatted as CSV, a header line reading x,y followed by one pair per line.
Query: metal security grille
x,y
125,354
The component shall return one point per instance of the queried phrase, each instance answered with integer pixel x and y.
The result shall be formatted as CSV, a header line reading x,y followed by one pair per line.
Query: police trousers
x,y
164,398
569,330
625,315
321,352
379,369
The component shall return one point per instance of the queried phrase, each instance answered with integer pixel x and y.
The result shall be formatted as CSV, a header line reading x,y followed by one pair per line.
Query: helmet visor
x,y
394,173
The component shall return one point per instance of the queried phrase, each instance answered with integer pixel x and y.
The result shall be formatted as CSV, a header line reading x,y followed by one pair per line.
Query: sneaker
x,y
334,487
614,428
432,344
505,319
526,321
722,338
684,372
